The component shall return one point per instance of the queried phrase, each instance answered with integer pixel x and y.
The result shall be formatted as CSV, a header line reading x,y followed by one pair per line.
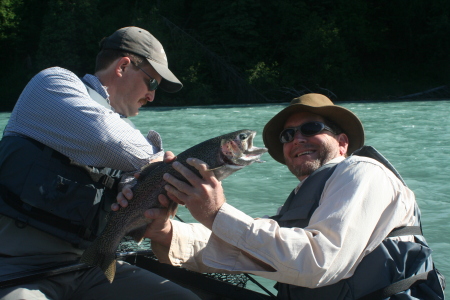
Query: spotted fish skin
x,y
224,155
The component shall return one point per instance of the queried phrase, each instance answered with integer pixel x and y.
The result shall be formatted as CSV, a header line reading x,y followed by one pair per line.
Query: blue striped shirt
x,y
56,110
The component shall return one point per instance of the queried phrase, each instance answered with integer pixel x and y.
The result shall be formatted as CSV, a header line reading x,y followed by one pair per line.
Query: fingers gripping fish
x,y
224,155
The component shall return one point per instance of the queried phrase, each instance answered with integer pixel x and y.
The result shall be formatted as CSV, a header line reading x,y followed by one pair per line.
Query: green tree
x,y
67,35
244,50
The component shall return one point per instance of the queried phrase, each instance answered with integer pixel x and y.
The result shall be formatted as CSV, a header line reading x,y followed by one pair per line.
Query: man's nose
x,y
299,137
150,96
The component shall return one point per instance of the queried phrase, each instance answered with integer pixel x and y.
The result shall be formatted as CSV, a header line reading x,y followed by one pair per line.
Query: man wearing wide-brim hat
x,y
350,229
350,205
320,105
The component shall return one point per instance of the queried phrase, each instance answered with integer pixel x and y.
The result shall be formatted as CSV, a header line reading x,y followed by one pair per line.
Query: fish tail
x,y
110,270
105,261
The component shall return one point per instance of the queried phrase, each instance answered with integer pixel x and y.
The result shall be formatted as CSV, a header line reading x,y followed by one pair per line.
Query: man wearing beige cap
x,y
63,151
350,229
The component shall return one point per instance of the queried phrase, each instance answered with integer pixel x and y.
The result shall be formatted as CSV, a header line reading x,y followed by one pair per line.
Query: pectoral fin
x,y
138,234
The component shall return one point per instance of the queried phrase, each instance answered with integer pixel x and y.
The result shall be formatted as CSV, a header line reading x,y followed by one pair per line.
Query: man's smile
x,y
304,153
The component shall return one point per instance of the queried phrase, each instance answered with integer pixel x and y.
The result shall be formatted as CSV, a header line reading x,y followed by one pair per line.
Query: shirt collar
x,y
95,83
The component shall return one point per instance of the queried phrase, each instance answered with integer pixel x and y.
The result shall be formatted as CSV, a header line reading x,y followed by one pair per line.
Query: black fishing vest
x,y
42,188
392,267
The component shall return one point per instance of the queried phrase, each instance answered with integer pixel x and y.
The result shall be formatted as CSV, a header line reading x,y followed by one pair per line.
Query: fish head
x,y
237,151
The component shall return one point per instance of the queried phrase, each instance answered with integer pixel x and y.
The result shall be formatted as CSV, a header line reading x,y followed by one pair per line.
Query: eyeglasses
x,y
153,83
307,129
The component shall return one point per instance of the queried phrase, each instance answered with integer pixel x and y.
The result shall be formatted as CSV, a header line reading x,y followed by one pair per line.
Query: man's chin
x,y
133,113
303,169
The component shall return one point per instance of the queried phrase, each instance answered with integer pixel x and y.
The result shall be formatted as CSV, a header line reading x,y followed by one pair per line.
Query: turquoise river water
x,y
413,135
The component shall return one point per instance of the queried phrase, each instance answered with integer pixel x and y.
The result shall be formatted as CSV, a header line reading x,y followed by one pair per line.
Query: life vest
x,y
40,187
393,267
43,188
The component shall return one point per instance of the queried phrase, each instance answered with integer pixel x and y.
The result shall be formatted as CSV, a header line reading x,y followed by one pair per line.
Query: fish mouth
x,y
236,152
252,153
240,151
228,162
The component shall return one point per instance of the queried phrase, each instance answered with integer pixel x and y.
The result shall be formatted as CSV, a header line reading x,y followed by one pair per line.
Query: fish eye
x,y
243,136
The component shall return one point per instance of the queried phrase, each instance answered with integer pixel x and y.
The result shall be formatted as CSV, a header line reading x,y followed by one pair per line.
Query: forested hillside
x,y
242,51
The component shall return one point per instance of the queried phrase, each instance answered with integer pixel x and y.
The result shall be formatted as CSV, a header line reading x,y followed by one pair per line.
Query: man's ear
x,y
343,143
121,66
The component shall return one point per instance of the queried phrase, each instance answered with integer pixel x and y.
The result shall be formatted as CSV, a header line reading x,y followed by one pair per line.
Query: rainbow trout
x,y
224,155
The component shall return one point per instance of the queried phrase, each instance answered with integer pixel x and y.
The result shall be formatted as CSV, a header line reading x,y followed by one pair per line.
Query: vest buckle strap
x,y
405,230
397,287
108,181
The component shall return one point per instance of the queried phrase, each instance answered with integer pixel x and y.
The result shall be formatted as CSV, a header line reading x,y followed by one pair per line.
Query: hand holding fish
x,y
127,193
160,228
203,197
202,193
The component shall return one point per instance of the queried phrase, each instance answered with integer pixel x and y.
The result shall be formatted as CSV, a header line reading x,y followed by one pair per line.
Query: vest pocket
x,y
70,197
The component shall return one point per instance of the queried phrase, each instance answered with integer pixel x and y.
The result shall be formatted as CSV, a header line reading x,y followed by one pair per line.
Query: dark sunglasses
x,y
307,129
152,84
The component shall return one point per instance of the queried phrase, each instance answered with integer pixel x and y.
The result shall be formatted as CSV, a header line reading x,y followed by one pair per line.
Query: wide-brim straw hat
x,y
322,106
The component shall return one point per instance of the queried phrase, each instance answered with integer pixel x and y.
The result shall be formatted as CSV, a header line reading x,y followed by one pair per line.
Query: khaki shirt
x,y
360,205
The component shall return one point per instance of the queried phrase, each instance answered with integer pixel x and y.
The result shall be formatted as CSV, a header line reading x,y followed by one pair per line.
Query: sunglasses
x,y
307,129
152,84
